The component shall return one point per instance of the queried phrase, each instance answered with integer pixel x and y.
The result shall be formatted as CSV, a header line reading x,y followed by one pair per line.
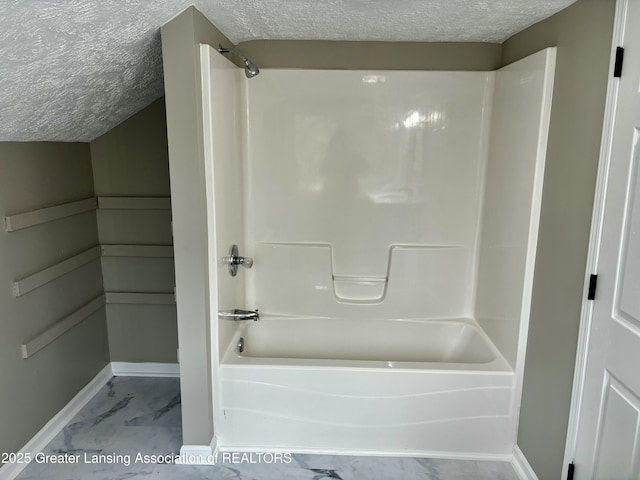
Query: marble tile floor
x,y
132,415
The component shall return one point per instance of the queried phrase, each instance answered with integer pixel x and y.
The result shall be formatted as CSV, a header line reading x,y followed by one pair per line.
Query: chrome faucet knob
x,y
234,259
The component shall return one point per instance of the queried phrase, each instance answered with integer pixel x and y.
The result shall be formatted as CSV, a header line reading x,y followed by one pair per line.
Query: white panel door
x,y
608,435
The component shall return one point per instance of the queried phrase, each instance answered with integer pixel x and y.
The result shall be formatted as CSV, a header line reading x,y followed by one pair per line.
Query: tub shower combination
x,y
392,220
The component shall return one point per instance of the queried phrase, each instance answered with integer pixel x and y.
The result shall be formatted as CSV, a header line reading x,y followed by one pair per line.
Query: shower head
x,y
250,68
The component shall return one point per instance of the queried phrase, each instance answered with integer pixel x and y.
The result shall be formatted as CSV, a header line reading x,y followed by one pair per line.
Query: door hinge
x,y
617,68
593,283
570,470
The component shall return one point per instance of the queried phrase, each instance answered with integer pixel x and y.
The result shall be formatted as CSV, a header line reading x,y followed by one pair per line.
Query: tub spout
x,y
240,315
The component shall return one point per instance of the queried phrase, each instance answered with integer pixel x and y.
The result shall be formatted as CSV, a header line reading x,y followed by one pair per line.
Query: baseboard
x,y
200,454
521,465
476,457
40,440
130,369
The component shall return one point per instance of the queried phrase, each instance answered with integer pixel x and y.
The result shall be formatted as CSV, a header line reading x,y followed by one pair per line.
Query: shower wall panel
x,y
354,175
223,131
515,170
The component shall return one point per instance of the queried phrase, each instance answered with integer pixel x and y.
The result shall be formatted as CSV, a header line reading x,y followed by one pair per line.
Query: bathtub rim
x,y
499,365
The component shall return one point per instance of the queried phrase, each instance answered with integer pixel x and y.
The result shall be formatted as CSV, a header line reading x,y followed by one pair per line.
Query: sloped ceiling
x,y
70,70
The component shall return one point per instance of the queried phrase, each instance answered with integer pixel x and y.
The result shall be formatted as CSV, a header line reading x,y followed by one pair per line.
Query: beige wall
x,y
582,34
372,55
32,176
132,160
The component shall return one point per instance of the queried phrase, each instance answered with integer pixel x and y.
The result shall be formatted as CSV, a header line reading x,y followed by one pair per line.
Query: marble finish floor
x,y
132,415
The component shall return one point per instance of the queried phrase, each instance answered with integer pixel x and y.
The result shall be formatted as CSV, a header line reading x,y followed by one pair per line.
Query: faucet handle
x,y
234,259
246,262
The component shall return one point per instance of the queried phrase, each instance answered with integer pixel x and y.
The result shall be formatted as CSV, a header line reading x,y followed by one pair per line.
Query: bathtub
x,y
366,386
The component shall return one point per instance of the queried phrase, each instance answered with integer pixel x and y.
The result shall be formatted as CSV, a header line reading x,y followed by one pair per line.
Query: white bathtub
x,y
414,387
365,343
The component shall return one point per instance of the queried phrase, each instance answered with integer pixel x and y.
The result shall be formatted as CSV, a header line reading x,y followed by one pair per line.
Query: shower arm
x,y
222,49
250,68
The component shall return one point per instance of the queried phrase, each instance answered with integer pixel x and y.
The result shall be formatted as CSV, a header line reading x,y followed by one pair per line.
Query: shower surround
x,y
392,217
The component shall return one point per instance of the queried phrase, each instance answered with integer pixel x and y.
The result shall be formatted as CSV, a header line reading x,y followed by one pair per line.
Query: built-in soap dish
x,y
359,289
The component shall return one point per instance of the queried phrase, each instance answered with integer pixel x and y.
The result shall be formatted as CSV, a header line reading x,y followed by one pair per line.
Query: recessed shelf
x,y
137,298
158,251
135,203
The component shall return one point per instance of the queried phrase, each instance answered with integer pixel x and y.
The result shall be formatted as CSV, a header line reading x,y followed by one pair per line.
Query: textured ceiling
x,y
70,70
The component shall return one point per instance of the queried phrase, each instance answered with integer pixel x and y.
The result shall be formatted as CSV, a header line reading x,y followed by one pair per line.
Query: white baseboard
x,y
521,465
200,454
40,440
476,457
129,369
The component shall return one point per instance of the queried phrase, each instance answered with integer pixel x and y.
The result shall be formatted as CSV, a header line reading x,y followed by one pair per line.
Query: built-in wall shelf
x,y
158,251
135,203
19,221
38,342
136,298
36,280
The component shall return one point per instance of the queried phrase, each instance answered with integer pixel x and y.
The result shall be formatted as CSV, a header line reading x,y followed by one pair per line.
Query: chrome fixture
x,y
240,315
234,259
250,68
241,345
